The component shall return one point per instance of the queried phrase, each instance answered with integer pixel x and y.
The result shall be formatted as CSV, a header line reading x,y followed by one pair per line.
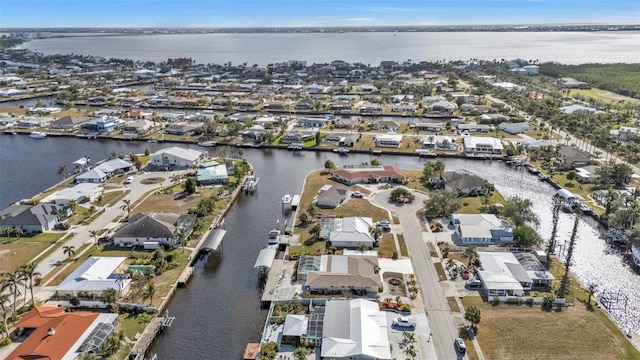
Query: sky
x,y
299,13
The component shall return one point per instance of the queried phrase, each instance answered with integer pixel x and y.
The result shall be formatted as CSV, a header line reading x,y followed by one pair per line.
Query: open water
x,y
366,48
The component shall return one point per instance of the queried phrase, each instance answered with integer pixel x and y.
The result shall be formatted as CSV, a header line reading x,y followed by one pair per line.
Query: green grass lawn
x,y
601,95
16,252
475,205
319,247
387,246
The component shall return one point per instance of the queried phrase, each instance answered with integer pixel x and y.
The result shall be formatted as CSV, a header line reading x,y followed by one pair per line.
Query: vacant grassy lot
x,y
474,204
601,95
161,202
414,179
522,332
387,246
15,252
112,197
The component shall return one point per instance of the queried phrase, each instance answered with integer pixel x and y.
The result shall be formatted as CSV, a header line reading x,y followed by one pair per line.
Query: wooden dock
x,y
155,326
251,351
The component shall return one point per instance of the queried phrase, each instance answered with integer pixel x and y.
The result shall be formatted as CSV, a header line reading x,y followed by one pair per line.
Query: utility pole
x,y
567,264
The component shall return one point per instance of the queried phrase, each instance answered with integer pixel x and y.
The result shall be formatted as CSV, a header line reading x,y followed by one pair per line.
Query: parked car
x,y
129,180
383,223
404,322
473,284
61,226
466,274
356,194
460,346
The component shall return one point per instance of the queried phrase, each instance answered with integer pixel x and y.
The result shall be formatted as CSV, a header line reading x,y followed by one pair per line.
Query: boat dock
x,y
251,351
250,184
144,340
185,277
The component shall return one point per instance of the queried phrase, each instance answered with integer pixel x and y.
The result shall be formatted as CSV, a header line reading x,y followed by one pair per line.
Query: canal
x,y
219,311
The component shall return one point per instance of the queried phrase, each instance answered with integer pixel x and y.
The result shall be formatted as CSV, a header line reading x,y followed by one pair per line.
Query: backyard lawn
x,y
522,332
16,252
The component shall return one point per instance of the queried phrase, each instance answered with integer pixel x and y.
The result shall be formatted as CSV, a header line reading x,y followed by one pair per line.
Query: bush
x,y
395,255
547,301
529,302
74,301
514,301
495,301
406,308
6,341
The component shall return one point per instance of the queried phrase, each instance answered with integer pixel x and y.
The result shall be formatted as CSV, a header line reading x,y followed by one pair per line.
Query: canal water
x,y
219,311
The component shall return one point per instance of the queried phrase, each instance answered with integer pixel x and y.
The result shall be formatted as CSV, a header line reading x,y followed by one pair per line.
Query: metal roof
x,y
214,239
265,258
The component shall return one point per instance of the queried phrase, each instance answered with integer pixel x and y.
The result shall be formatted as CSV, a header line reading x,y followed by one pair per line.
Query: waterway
x,y
219,311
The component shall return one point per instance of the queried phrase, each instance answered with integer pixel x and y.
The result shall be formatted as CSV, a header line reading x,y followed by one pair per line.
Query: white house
x,y
355,329
350,232
331,197
438,142
388,140
177,157
80,193
92,176
481,229
94,276
482,145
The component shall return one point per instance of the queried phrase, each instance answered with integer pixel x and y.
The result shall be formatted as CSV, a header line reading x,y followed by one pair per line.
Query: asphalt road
x,y
438,312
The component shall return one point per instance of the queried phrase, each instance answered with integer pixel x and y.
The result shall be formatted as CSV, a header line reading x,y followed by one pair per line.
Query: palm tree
x,y
4,298
471,253
69,250
175,179
62,170
149,291
126,206
376,232
12,281
29,273
72,205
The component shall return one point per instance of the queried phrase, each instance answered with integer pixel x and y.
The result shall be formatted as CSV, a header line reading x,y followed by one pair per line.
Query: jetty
x,y
152,330
251,351
250,184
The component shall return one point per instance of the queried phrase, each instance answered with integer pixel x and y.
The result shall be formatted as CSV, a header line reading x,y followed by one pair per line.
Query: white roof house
x,y
80,193
92,176
351,232
113,166
354,329
502,274
483,229
94,276
485,145
388,140
177,157
295,325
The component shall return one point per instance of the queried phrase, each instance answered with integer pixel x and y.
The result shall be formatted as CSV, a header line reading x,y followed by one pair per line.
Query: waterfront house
x,y
354,329
346,123
33,122
404,108
482,145
442,105
104,124
298,137
370,109
386,125
304,104
342,139
570,157
95,276
80,193
340,105
50,332
438,142
428,100
313,122
459,182
32,219
212,172
179,129
507,274
154,229
514,128
388,140
177,157
588,174
91,176
367,174
474,128
333,274
350,232
138,127
481,229
331,196
67,123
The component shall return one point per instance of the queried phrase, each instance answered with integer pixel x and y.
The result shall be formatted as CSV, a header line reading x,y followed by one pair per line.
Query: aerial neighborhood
x,y
373,260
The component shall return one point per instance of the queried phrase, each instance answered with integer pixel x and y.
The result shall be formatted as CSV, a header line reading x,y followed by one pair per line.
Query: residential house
x,y
570,83
305,104
114,166
388,140
95,276
212,172
177,157
91,176
31,122
588,174
443,105
429,126
493,118
331,196
297,137
50,332
474,128
350,232
342,139
346,123
428,100
340,105
67,123
370,109
105,124
154,229
32,219
482,145
313,122
80,193
354,329
460,182
439,142
570,157
179,129
333,274
514,128
481,229
386,125
507,274
138,127
570,109
624,133
367,174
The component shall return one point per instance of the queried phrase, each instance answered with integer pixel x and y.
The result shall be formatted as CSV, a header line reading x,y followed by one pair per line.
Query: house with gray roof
x,y
514,128
570,157
32,219
481,229
459,182
158,228
334,274
332,197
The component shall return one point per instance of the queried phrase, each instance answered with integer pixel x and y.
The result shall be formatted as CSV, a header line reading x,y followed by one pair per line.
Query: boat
x,y
341,151
274,237
152,141
250,184
286,202
207,143
38,135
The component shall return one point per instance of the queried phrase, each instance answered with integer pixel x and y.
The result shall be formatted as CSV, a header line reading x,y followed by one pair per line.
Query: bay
x,y
368,48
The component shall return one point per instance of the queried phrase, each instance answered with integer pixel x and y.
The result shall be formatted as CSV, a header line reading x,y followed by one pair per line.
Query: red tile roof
x,y
39,345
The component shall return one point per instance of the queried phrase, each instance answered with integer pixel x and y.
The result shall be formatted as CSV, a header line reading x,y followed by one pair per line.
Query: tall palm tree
x,y
72,205
471,253
149,291
62,170
69,250
126,206
94,235
4,298
29,273
12,282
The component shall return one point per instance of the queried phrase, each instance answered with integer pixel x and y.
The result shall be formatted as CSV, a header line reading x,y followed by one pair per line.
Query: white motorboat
x,y
274,237
38,135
